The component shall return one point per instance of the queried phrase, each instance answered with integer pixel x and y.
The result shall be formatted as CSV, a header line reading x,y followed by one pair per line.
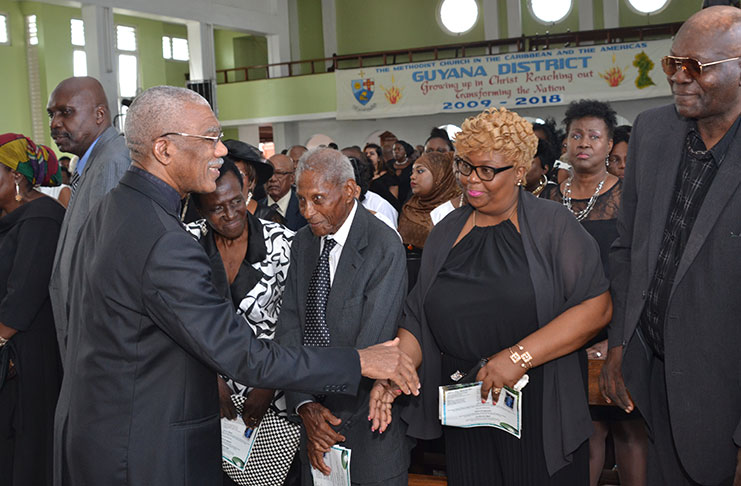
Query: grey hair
x,y
155,111
333,165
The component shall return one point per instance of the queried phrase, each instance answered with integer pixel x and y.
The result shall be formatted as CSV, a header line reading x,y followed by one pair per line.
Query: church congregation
x,y
187,302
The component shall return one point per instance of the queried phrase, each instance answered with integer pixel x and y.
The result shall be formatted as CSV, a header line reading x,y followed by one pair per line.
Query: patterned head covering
x,y
37,163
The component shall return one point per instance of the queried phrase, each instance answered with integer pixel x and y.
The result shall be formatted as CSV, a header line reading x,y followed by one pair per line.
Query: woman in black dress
x,y
507,276
29,353
393,185
593,195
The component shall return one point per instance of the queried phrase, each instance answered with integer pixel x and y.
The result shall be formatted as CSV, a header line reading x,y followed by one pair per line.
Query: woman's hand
x,y
498,372
255,406
598,351
226,407
382,397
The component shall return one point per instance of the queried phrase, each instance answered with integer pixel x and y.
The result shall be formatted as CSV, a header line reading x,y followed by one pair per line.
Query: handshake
x,y
386,361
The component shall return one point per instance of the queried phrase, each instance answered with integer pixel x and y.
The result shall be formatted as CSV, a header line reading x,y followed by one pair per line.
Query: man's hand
x,y
255,406
382,397
598,351
226,407
387,361
320,436
737,477
611,381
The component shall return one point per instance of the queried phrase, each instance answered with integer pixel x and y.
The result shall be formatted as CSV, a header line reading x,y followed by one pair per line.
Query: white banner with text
x,y
514,80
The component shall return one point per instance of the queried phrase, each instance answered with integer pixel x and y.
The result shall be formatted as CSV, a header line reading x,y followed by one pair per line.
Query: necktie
x,y
73,182
276,208
316,332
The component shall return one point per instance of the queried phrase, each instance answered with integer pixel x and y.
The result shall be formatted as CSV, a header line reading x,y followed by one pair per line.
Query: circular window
x,y
647,6
458,16
550,11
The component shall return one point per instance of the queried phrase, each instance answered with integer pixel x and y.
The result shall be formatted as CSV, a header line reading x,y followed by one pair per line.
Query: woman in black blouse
x,y
394,184
30,367
506,275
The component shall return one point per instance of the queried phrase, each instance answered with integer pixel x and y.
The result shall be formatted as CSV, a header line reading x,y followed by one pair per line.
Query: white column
x,y
293,28
249,134
100,51
514,18
285,135
491,19
202,62
611,13
586,15
329,27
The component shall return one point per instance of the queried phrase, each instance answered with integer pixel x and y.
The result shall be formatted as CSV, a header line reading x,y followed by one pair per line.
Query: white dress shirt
x,y
374,202
282,203
340,237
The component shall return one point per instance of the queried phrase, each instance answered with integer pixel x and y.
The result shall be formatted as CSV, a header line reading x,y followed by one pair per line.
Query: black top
x,y
482,300
600,223
382,184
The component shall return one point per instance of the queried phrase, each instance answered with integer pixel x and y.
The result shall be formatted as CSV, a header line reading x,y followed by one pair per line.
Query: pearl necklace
x,y
580,215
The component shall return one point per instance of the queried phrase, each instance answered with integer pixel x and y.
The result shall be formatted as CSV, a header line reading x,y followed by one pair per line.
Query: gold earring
x,y
18,196
520,183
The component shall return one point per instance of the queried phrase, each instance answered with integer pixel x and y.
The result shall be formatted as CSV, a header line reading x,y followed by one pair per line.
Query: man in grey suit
x,y
80,123
148,332
676,264
345,287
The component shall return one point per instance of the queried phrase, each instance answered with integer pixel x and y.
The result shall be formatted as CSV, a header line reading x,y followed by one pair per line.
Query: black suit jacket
x,y
148,333
294,219
702,331
363,308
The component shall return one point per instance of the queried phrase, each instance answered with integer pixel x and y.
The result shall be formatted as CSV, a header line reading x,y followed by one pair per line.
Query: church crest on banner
x,y
363,89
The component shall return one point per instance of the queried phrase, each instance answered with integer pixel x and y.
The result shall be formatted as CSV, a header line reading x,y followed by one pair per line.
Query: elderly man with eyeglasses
x,y
674,340
149,332
281,195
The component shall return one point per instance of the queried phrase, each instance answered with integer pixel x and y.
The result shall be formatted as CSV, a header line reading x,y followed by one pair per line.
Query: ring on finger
x,y
496,390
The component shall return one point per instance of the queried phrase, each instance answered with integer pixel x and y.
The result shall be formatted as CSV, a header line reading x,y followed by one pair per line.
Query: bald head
x,y
295,153
78,114
712,97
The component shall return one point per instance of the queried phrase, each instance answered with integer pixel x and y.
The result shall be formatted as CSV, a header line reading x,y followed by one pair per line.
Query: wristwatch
x,y
3,341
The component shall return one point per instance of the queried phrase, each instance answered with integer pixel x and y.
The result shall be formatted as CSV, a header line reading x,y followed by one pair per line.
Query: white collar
x,y
340,236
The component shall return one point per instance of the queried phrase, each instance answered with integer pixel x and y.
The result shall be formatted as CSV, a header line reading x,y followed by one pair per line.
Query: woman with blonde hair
x,y
515,284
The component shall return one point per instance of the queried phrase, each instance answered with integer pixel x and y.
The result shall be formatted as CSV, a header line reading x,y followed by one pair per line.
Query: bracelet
x,y
523,357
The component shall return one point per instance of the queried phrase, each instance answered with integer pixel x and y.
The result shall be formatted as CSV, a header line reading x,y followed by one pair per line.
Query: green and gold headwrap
x,y
37,163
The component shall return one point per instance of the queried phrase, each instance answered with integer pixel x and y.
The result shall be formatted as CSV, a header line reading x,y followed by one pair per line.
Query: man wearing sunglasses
x,y
676,265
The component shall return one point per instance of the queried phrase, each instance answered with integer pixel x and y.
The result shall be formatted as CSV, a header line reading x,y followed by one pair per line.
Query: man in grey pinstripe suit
x,y
80,123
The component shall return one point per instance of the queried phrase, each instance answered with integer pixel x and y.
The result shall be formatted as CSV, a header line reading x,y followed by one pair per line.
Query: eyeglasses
x,y
484,172
691,66
215,139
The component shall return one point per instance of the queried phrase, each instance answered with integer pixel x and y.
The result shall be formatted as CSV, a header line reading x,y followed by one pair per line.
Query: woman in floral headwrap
x,y
30,368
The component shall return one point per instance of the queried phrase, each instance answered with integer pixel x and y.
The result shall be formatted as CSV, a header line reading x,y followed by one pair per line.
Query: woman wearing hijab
x,y
30,368
432,183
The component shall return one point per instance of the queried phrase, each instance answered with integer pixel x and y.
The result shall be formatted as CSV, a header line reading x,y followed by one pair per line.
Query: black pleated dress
x,y
481,302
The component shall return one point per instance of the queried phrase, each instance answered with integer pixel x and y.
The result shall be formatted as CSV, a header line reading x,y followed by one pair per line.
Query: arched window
x,y
645,7
457,16
550,11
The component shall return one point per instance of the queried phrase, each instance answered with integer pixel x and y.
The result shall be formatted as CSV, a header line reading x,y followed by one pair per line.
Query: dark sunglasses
x,y
485,172
691,66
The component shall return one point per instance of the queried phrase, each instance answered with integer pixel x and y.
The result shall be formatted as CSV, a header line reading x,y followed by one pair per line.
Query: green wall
x,y
364,26
16,115
310,35
237,49
277,97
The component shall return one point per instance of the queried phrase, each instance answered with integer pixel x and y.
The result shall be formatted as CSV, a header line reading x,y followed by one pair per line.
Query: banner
x,y
514,80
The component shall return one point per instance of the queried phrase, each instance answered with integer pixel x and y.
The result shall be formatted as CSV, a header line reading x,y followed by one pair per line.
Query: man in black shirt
x,y
675,266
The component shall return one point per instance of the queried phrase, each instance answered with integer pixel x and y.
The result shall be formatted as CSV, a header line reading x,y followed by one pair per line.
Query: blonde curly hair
x,y
498,130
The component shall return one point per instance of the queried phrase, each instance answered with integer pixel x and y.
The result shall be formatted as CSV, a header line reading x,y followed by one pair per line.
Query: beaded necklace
x,y
580,215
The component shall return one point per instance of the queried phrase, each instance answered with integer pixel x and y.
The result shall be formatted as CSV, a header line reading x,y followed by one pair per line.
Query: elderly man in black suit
x,y
345,287
149,332
281,196
676,264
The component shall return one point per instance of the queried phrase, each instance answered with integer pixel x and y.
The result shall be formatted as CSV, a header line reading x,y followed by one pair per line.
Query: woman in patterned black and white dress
x,y
249,261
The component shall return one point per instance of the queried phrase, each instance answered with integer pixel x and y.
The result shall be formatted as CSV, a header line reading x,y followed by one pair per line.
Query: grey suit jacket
x,y
364,306
702,332
108,161
147,334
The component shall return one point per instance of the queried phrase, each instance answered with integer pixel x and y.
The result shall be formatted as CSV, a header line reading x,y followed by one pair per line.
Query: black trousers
x,y
664,466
